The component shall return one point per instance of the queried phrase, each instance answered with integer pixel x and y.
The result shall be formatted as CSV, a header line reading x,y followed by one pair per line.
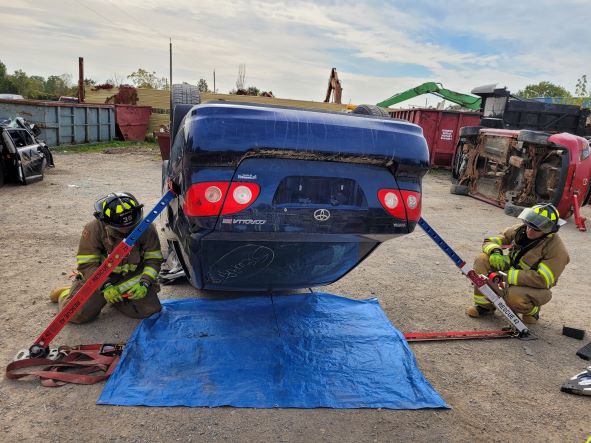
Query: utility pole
x,y
170,76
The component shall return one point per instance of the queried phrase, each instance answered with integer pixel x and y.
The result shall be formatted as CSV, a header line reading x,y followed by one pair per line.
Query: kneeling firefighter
x,y
535,260
132,287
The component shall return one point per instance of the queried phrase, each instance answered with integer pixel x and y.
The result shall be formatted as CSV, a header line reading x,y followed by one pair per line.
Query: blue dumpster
x,y
65,123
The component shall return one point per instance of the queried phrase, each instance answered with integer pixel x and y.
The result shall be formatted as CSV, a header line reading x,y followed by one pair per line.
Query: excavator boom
x,y
465,100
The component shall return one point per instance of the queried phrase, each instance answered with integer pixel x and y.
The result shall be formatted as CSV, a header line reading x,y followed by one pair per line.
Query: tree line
x,y
55,86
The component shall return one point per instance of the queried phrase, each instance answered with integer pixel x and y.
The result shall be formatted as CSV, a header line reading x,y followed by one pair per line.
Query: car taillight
x,y
213,198
240,197
412,200
395,201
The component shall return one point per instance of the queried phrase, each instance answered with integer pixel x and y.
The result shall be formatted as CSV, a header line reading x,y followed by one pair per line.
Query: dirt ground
x,y
499,390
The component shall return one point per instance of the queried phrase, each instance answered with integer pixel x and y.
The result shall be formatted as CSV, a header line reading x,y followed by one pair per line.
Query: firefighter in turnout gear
x,y
535,259
132,288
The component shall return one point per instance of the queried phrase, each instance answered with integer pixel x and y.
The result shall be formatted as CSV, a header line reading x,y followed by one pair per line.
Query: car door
x,y
29,156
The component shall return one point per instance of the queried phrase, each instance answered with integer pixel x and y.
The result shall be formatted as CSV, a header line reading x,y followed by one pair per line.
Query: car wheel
x,y
458,189
513,210
470,131
1,173
534,137
374,110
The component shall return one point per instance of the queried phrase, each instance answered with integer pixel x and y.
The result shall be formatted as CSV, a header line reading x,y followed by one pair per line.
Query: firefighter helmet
x,y
119,210
543,217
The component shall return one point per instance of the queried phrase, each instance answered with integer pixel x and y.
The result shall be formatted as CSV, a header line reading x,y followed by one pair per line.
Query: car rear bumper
x,y
263,262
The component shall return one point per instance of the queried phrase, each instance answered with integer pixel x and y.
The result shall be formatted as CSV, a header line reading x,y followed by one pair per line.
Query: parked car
x,y
514,169
11,97
23,157
275,198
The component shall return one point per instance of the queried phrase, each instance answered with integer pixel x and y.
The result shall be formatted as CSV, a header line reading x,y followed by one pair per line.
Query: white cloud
x,y
290,47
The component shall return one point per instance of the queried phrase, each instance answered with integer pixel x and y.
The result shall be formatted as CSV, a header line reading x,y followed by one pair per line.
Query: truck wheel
x,y
458,189
512,210
470,131
534,137
185,94
374,110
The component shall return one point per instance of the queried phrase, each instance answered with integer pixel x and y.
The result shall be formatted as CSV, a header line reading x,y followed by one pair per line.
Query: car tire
x,y
374,110
458,189
470,131
2,178
512,210
534,137
185,94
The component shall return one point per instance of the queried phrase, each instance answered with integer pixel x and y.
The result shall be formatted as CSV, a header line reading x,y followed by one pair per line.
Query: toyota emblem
x,y
321,214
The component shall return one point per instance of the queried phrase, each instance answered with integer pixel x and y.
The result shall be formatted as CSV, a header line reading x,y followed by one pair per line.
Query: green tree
x,y
21,82
581,88
36,87
202,85
543,89
2,77
56,86
145,79
253,90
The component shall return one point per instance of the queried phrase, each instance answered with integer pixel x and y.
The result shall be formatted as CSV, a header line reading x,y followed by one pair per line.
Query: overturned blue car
x,y
275,198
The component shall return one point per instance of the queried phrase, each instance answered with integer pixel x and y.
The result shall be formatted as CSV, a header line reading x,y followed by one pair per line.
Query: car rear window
x,y
327,191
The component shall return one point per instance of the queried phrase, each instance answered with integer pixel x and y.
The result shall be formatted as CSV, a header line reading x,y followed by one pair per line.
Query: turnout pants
x,y
143,308
521,299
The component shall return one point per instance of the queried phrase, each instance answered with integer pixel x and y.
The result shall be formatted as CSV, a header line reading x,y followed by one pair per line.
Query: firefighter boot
x,y
477,311
530,319
58,293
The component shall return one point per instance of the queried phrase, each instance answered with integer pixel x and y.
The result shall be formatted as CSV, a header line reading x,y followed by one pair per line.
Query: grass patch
x,y
96,147
439,172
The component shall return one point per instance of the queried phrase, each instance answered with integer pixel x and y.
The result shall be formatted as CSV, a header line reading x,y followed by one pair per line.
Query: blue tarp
x,y
289,351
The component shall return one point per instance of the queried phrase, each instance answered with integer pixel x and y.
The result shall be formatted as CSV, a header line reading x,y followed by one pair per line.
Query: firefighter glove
x,y
111,294
498,261
138,291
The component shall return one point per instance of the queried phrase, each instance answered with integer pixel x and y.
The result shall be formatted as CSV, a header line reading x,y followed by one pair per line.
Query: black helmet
x,y
119,210
543,217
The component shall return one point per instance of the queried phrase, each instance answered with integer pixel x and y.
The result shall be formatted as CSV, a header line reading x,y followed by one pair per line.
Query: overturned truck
x,y
509,161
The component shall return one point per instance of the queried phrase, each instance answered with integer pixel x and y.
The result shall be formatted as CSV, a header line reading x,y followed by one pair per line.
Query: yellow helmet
x,y
543,217
119,210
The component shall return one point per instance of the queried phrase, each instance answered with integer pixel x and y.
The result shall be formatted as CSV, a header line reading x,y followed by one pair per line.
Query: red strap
x,y
80,366
458,335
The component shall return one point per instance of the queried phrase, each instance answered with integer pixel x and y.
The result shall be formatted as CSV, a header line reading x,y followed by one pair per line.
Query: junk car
x,y
23,157
514,169
275,198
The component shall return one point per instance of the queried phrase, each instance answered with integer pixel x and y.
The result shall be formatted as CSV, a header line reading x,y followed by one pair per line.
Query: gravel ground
x,y
498,390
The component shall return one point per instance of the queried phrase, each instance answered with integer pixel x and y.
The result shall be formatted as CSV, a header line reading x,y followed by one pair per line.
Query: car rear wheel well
x,y
177,250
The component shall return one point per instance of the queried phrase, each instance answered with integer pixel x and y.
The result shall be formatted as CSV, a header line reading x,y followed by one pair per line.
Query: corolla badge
x,y
321,214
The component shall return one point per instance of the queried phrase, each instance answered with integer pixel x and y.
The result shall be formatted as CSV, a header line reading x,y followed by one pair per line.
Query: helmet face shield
x,y
541,218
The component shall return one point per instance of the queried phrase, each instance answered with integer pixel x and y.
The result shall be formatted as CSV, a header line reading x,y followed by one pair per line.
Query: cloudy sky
x,y
378,47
